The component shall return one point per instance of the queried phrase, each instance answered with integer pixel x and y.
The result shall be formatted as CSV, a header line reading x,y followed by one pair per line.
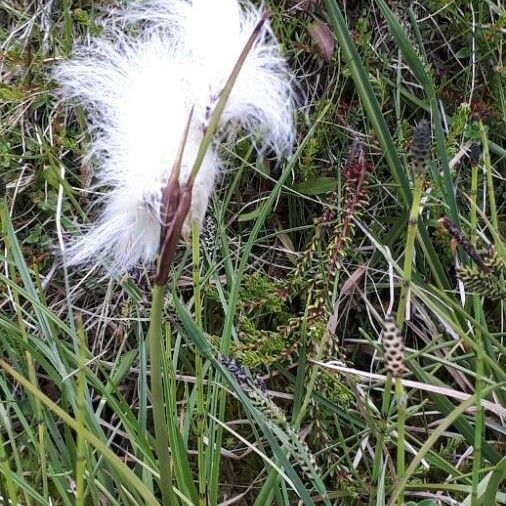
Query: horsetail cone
x,y
393,349
420,148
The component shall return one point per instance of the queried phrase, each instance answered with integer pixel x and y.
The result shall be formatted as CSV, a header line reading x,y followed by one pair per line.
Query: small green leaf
x,y
463,52
317,186
252,215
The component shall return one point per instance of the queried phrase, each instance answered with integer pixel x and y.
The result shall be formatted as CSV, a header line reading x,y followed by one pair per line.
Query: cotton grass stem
x,y
155,338
80,417
184,204
177,214
176,204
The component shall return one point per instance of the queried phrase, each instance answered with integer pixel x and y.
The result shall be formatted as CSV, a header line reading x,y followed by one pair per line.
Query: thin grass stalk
x,y
143,408
41,428
487,164
312,378
479,420
473,196
409,252
397,96
380,439
479,423
401,400
67,25
41,435
155,340
199,378
8,488
80,417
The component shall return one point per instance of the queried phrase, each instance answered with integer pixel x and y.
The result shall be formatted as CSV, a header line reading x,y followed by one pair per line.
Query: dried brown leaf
x,y
323,38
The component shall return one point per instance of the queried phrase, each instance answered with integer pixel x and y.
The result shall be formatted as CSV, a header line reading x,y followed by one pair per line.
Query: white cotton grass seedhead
x,y
138,90
213,34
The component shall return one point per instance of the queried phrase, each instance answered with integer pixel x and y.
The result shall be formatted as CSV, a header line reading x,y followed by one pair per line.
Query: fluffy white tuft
x,y
138,91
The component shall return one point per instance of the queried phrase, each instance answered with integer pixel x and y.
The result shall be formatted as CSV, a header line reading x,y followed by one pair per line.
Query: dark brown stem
x,y
173,232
